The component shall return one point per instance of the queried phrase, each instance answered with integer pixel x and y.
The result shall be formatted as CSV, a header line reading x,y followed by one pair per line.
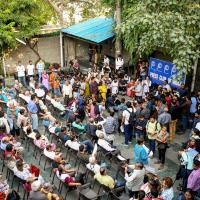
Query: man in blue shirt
x,y
32,108
141,156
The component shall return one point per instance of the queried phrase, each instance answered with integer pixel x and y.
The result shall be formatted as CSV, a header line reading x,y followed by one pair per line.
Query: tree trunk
x,y
118,18
194,75
32,47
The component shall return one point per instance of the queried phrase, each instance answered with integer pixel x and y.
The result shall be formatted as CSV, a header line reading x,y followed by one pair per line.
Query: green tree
x,y
21,19
172,26
85,8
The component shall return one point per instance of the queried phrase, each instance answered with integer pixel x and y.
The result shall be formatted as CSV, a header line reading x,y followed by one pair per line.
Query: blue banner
x,y
160,70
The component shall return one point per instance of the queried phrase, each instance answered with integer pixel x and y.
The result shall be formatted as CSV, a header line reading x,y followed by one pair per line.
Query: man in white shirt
x,y
21,73
30,69
125,120
67,92
138,90
104,144
119,62
92,165
106,61
114,86
40,68
73,144
134,180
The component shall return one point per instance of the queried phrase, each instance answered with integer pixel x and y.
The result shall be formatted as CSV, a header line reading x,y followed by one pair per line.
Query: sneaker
x,y
125,145
130,142
157,162
161,167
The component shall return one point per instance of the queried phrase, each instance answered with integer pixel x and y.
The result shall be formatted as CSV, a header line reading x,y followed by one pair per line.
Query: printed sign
x,y
160,70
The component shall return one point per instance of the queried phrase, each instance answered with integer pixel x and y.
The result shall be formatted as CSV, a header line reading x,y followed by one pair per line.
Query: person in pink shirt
x,y
43,142
194,178
45,80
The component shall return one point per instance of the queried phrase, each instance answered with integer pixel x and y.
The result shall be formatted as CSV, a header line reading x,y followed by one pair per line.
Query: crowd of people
x,y
85,113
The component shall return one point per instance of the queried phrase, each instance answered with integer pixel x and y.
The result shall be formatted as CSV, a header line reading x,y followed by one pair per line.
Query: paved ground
x,y
169,170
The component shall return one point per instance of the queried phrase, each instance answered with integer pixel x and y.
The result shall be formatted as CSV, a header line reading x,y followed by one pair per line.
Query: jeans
x,y
161,155
152,145
185,178
11,122
128,133
57,92
139,135
66,99
89,146
184,122
29,78
22,80
40,77
34,119
76,95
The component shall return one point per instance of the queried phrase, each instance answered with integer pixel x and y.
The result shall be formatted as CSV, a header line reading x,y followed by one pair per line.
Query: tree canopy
x,y
172,26
21,19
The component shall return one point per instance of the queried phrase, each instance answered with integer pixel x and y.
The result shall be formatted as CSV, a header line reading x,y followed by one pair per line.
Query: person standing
x,y
57,87
152,129
127,126
32,108
111,125
102,90
21,73
185,112
135,179
67,92
165,118
138,90
106,61
193,179
115,86
175,115
119,62
40,69
93,87
30,70
141,155
140,127
162,139
45,80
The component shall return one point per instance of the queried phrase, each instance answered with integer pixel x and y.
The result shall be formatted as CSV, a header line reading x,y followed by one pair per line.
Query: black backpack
x,y
132,118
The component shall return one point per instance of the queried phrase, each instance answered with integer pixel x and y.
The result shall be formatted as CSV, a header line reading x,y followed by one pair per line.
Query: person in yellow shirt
x,y
52,79
152,129
103,90
57,87
87,88
103,178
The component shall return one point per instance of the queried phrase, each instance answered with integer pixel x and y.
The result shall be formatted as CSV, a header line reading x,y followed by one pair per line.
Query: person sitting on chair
x,y
103,178
77,125
53,155
69,179
75,144
93,165
83,154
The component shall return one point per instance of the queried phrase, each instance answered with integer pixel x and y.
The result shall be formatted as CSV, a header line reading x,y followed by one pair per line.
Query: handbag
x,y
162,145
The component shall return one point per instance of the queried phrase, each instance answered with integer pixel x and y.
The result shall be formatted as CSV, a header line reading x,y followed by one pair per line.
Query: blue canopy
x,y
95,30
